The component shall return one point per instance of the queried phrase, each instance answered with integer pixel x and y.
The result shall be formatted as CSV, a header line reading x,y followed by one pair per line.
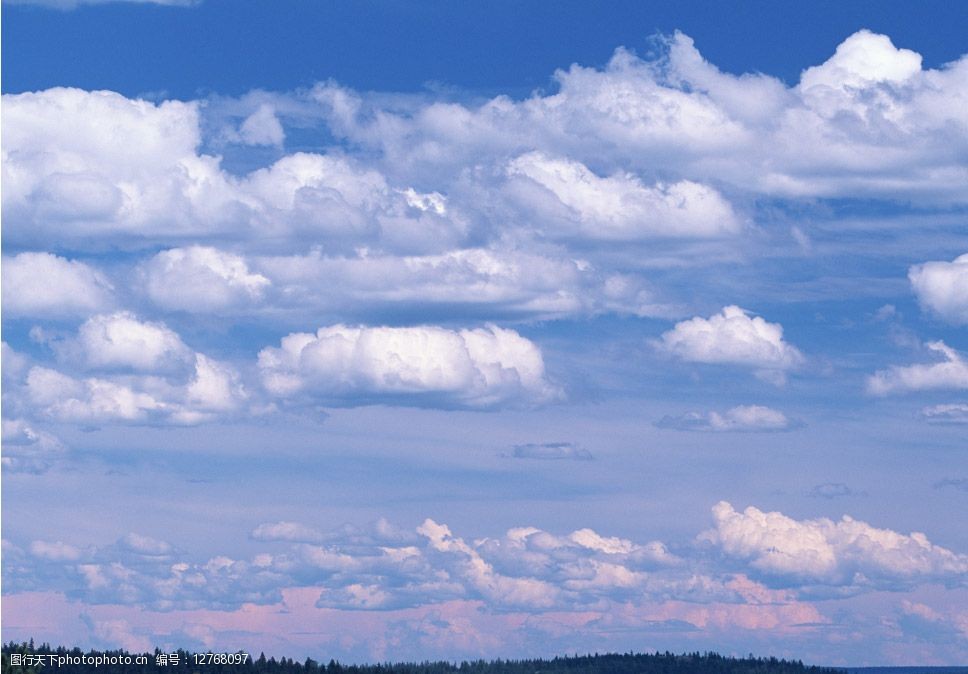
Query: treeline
x,y
25,658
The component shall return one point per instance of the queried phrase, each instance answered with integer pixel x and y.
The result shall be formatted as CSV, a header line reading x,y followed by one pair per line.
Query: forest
x,y
26,658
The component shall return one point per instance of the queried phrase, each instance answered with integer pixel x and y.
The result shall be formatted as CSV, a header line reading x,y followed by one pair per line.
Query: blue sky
x,y
373,331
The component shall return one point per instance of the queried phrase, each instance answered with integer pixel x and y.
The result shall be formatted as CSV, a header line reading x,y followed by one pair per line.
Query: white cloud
x,y
213,390
69,175
43,284
477,368
83,164
950,373
743,418
618,207
526,569
847,553
950,413
312,195
121,341
27,448
201,279
732,337
144,373
262,127
862,60
64,398
286,531
870,121
145,545
506,590
942,288
477,281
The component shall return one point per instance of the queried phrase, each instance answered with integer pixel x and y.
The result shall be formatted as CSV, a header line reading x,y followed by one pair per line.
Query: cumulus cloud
x,y
201,279
350,205
863,60
743,418
618,207
479,574
378,568
552,451
70,176
732,337
46,285
262,127
868,121
27,448
942,288
120,341
848,553
63,398
526,569
213,389
475,368
950,373
134,372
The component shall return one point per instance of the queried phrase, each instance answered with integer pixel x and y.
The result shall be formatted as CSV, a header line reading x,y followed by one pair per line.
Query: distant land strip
x,y
24,658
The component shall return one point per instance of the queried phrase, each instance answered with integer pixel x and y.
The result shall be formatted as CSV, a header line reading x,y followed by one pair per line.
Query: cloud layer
x,y
382,567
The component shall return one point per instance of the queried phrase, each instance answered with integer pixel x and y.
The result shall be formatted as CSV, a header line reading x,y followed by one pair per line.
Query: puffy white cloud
x,y
64,398
43,284
350,205
870,121
477,368
214,389
505,590
262,127
950,373
733,337
201,279
70,175
862,60
121,341
743,418
618,207
526,569
551,451
942,288
143,372
847,553
79,164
